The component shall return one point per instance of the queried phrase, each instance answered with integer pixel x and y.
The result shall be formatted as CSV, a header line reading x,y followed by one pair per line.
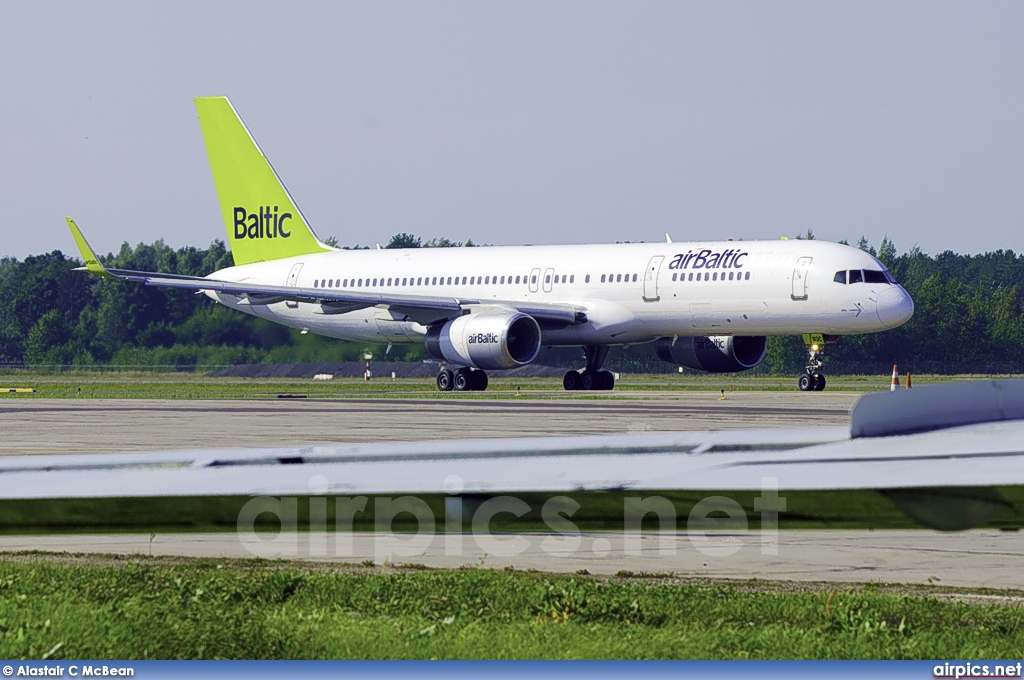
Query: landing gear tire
x,y
807,382
819,382
571,381
587,380
479,381
605,380
463,380
468,380
445,380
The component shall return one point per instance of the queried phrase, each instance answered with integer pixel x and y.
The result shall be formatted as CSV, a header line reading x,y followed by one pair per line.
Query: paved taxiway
x,y
980,558
107,425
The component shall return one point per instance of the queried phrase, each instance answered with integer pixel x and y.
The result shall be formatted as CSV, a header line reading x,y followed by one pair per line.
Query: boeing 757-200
x,y
705,305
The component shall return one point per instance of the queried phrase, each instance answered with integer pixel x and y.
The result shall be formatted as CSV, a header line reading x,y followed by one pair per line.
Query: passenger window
x,y
547,279
587,280
674,276
572,278
730,275
517,279
602,278
330,283
533,279
706,276
405,281
746,277
714,276
389,282
503,279
840,277
434,282
856,276
619,278
316,284
634,278
691,276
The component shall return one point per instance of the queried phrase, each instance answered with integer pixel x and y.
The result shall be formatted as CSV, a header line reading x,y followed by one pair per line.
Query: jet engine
x,y
717,354
491,340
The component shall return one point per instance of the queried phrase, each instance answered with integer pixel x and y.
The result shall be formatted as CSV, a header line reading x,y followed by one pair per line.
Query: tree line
x,y
968,318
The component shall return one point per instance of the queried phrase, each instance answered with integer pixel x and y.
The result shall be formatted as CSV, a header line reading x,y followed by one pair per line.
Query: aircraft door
x,y
548,273
800,278
534,280
293,280
651,279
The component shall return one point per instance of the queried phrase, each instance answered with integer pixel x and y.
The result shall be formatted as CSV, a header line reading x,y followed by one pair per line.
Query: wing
x,y
422,308
951,479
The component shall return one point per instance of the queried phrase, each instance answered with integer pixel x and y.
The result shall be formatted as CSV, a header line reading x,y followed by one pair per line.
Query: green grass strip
x,y
144,608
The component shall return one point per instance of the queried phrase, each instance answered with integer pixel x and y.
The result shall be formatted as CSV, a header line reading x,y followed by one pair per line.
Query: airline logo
x,y
483,338
708,259
264,223
709,343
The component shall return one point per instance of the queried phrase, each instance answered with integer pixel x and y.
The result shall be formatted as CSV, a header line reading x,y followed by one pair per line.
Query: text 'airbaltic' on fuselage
x,y
708,259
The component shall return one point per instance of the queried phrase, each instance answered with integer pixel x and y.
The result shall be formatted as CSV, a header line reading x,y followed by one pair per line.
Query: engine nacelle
x,y
491,340
717,354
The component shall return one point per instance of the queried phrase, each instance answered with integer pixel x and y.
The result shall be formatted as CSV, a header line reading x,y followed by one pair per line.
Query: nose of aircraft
x,y
894,307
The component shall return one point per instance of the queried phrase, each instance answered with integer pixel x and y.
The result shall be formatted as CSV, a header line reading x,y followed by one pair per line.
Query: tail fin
x,y
262,220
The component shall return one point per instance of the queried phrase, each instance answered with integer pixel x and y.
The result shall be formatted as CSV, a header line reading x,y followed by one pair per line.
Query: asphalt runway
x,y
978,559
35,426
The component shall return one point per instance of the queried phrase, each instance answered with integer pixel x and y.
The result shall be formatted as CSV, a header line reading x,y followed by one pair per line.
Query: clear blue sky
x,y
523,122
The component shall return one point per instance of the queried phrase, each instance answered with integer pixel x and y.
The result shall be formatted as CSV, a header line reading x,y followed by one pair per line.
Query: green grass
x,y
100,608
156,385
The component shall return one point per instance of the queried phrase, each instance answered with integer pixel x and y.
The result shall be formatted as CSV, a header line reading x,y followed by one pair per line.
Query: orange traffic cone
x,y
908,380
895,379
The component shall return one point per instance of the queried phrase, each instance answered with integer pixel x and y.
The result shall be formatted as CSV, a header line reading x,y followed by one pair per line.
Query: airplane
x,y
705,305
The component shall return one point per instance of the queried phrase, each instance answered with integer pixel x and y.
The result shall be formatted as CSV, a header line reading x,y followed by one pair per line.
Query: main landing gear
x,y
462,380
592,377
813,379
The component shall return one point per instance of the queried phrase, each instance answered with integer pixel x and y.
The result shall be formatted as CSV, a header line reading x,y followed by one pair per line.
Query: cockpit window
x,y
840,277
874,276
856,276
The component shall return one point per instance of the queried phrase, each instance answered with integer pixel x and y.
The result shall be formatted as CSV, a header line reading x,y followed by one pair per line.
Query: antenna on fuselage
x,y
668,239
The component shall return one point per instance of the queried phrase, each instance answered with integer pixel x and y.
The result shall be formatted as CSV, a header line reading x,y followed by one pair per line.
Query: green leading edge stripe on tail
x,y
262,221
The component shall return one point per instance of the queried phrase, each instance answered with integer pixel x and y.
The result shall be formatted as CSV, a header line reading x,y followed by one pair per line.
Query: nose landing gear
x,y
813,379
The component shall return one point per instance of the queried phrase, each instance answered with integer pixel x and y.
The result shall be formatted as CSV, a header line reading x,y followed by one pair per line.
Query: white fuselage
x,y
630,293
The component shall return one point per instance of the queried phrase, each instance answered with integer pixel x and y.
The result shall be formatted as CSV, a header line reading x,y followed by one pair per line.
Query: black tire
x,y
571,381
588,381
819,382
806,382
445,380
478,381
463,380
605,380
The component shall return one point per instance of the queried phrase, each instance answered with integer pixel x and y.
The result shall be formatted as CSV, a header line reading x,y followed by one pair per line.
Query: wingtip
x,y
89,259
